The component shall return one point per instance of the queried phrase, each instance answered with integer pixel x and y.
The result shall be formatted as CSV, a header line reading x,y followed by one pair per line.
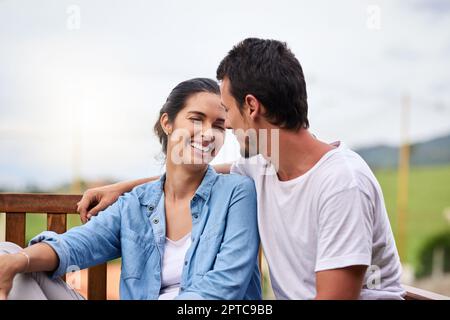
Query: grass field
x,y
429,196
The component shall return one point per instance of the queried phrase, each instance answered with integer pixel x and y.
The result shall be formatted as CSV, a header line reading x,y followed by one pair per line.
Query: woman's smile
x,y
203,147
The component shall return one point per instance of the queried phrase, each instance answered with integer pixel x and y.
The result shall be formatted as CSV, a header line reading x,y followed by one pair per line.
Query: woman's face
x,y
198,131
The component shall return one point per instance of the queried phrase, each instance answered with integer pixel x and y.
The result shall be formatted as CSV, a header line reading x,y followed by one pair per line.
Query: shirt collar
x,y
204,189
153,191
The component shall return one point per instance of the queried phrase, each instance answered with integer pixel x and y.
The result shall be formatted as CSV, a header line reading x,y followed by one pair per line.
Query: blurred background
x,y
81,84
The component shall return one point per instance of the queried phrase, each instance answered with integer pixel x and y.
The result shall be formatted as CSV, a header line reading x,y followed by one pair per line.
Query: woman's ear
x,y
165,124
253,106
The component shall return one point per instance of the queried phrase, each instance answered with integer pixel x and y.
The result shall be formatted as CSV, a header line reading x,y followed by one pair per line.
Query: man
x,y
321,214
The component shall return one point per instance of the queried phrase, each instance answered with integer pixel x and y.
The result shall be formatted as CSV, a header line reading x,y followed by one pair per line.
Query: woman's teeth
x,y
200,147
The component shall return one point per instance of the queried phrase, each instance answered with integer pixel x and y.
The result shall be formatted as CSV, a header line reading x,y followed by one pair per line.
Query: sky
x,y
82,82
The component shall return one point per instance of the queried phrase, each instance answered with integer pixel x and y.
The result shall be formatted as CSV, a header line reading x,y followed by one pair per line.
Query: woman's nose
x,y
228,124
208,137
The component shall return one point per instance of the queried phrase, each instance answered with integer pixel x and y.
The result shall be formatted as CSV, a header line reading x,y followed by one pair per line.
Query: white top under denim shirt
x,y
221,263
172,267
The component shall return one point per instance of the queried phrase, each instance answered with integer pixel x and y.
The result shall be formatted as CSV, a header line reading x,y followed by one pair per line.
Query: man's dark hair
x,y
268,70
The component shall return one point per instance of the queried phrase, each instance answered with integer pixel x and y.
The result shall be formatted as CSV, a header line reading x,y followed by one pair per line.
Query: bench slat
x,y
97,282
260,260
57,222
38,203
15,228
413,293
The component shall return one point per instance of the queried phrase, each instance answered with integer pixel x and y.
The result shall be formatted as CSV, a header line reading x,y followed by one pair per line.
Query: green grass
x,y
36,223
429,195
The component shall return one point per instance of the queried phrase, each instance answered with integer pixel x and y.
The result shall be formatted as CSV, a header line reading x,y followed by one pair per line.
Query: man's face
x,y
239,122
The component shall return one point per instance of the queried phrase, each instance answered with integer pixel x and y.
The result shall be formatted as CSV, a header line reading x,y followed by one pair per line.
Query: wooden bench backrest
x,y
57,207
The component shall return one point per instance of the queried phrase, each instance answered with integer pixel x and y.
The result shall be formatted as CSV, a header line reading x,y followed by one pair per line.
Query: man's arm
x,y
97,199
344,249
223,168
340,284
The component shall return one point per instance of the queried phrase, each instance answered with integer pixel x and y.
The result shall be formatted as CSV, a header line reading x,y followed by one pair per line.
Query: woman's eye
x,y
220,128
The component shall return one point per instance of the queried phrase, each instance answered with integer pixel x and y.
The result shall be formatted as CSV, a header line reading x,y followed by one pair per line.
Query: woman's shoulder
x,y
235,181
143,192
148,186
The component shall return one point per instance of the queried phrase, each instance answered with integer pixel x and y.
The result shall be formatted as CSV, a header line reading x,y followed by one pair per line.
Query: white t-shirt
x,y
333,216
173,261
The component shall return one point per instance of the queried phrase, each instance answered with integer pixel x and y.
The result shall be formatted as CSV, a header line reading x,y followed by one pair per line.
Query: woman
x,y
190,235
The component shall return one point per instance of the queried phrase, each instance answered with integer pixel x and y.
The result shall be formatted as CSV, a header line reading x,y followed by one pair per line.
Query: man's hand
x,y
223,168
340,284
97,199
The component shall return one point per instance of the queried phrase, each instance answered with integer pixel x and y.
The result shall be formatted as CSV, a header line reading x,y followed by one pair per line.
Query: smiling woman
x,y
193,121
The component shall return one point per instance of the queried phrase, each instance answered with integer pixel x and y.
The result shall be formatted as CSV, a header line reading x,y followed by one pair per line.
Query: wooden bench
x,y
57,207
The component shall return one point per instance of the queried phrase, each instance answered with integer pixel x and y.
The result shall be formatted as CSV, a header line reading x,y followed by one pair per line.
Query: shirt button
x,y
194,198
150,208
195,216
185,263
156,221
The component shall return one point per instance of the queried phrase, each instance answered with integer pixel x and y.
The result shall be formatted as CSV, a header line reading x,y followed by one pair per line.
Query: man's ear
x,y
253,106
165,123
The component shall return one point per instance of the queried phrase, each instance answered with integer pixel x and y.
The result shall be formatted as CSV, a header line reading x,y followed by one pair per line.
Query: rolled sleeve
x,y
54,241
93,243
342,262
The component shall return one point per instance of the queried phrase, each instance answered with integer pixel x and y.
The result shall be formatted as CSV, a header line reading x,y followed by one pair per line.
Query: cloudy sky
x,y
82,81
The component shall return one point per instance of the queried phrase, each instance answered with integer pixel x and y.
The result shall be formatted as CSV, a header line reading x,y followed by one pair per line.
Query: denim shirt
x,y
221,263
